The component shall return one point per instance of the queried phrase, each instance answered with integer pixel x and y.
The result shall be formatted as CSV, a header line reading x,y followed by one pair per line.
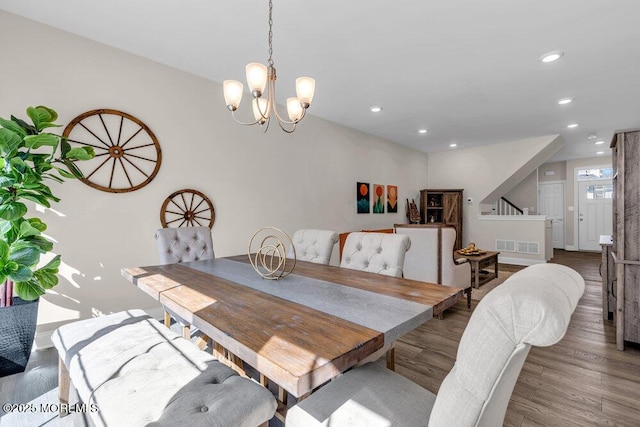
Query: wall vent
x,y
529,247
505,245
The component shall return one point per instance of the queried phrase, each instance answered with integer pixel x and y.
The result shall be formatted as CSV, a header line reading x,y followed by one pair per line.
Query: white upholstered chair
x,y
381,253
431,258
314,245
184,244
532,308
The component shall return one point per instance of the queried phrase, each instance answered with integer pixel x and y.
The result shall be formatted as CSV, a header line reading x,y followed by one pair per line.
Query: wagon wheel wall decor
x,y
187,208
128,155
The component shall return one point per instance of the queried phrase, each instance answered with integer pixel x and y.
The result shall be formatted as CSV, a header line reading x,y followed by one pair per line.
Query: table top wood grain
x,y
296,346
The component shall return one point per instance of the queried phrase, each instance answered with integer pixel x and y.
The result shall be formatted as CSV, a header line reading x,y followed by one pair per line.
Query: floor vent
x,y
505,245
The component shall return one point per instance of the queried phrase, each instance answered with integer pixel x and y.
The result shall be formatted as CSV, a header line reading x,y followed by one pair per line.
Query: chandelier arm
x,y
272,97
233,114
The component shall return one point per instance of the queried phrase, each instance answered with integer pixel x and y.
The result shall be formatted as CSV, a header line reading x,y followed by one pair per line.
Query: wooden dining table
x,y
302,330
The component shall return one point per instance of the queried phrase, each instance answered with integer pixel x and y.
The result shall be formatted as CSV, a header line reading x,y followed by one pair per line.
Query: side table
x,y
480,262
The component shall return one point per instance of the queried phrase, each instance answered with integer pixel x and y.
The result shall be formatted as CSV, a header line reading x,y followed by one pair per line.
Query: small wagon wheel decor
x,y
187,208
128,155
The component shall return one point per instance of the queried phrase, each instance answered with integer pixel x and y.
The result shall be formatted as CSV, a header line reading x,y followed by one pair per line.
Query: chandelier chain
x,y
270,33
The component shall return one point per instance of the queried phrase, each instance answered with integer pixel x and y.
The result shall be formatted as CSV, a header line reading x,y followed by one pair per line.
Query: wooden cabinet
x,y
626,234
442,207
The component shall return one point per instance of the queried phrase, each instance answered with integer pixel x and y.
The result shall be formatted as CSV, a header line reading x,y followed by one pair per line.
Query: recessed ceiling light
x,y
422,131
599,152
599,142
551,56
375,109
572,125
453,145
565,101
592,136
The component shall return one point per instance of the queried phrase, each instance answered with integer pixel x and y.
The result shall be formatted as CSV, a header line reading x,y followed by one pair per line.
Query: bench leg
x,y
64,384
167,319
202,341
391,359
469,297
186,332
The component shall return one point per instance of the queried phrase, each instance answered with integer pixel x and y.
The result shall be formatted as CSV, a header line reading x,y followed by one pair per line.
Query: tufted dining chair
x,y
531,308
184,244
381,253
313,245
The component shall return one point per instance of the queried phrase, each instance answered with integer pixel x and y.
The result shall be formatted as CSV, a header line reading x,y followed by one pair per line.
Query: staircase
x,y
505,207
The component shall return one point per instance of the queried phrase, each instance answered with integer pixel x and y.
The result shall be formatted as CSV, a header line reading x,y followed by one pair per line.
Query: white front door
x,y
551,204
595,214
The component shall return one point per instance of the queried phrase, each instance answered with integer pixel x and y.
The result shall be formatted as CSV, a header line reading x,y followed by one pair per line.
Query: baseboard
x,y
570,248
519,261
43,340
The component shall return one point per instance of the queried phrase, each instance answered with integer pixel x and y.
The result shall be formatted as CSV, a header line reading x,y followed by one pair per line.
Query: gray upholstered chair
x,y
184,244
381,253
314,245
532,308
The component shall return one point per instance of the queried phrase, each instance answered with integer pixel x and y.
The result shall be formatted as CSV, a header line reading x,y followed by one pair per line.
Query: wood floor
x,y
581,381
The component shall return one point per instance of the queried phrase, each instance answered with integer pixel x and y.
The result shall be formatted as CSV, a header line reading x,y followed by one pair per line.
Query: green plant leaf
x,y
4,251
29,290
26,229
25,253
13,126
37,224
64,147
6,181
22,274
40,243
37,141
9,140
42,117
5,226
62,172
77,173
39,199
53,265
81,153
46,278
11,211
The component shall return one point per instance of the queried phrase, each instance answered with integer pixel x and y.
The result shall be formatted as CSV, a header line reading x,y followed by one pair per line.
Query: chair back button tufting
x,y
204,409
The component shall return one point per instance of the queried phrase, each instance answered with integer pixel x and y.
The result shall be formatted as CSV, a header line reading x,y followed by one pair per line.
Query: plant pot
x,y
17,330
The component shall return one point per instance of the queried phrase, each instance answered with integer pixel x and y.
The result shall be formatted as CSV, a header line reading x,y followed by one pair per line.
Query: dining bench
x,y
133,371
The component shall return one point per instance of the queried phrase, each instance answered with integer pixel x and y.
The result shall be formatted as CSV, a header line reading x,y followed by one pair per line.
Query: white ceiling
x,y
467,70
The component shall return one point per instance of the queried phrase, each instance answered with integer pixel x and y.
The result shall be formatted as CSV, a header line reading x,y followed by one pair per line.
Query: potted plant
x,y
29,158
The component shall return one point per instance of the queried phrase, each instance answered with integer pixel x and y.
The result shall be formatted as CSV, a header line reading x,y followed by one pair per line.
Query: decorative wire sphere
x,y
269,259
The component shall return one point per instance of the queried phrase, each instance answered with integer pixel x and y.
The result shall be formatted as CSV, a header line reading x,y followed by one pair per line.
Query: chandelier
x,y
261,80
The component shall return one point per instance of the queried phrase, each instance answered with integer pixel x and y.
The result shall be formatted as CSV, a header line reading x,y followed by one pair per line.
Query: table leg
x,y
469,296
391,359
496,267
476,283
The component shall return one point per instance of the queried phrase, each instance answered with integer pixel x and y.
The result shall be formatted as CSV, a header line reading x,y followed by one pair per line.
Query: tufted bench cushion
x,y
381,253
140,373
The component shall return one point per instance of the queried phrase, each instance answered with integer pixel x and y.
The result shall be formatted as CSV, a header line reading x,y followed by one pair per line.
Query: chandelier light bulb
x,y
260,110
305,88
294,109
256,78
232,93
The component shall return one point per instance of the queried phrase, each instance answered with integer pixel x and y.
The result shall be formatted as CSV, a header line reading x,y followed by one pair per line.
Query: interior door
x,y
594,213
551,204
